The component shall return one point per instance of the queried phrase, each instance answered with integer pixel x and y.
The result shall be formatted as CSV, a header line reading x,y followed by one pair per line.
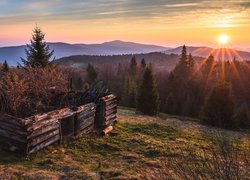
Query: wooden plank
x,y
110,122
111,101
44,144
87,123
40,124
42,138
84,115
86,107
107,130
14,127
11,119
111,111
13,136
112,116
111,96
110,107
43,130
15,131
86,130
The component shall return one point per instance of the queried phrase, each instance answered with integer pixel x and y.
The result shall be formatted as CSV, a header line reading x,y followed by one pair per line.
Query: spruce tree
x,y
184,56
5,67
147,96
91,74
170,104
133,67
190,61
143,64
38,52
219,106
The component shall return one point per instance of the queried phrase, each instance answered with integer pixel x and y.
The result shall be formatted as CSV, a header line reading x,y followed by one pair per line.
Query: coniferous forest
x,y
214,91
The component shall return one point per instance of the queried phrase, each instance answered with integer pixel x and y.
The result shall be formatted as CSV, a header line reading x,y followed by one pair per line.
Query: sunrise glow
x,y
155,22
223,39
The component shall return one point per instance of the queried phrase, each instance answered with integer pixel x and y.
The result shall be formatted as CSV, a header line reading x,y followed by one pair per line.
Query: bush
x,y
28,91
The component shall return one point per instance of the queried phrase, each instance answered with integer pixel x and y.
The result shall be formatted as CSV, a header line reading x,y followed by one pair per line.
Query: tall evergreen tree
x,y
143,64
38,52
133,67
91,74
184,56
219,106
147,96
5,67
170,104
190,61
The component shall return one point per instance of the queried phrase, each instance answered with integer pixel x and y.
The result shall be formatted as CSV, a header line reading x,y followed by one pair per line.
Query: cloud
x,y
169,11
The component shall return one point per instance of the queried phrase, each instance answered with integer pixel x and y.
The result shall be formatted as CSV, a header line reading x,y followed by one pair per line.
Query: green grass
x,y
140,148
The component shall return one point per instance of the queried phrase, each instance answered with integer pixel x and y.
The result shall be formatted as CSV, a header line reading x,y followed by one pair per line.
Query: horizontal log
x,y
111,111
110,107
14,131
44,129
12,126
86,107
11,135
86,130
12,120
84,116
42,138
87,124
40,124
106,98
44,144
112,116
110,122
111,101
107,130
83,121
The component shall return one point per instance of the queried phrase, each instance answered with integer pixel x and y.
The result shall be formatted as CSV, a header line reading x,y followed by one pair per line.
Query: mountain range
x,y
219,53
12,54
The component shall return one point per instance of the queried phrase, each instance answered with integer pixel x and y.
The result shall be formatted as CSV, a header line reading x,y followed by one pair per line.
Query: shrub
x,y
25,92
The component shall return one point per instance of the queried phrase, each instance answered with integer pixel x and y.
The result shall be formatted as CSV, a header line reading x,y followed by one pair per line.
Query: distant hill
x,y
160,61
13,54
219,54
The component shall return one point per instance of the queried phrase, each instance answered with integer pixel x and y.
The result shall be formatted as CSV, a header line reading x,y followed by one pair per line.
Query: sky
x,y
162,22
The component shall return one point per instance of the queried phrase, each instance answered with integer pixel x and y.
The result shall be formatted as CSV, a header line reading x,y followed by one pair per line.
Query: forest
x,y
215,91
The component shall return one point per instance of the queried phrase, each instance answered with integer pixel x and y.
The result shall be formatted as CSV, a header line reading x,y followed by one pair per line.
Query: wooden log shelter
x,y
34,133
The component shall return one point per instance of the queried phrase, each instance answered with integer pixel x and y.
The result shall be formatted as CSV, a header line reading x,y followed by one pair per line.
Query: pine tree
x,y
184,57
91,74
143,64
133,67
183,64
38,52
190,61
219,106
147,97
170,104
5,67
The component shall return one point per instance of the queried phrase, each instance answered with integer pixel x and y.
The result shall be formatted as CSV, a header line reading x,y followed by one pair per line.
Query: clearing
x,y
141,147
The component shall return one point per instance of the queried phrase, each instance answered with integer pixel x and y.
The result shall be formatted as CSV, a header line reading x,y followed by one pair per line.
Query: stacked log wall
x,y
85,119
37,132
107,111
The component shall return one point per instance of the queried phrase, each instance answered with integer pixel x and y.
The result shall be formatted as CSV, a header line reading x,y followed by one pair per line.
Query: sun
x,y
223,39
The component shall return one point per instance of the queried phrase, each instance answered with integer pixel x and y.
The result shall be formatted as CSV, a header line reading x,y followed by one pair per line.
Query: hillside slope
x,y
142,148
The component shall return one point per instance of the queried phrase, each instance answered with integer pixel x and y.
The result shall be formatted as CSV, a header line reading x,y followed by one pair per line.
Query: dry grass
x,y
142,148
